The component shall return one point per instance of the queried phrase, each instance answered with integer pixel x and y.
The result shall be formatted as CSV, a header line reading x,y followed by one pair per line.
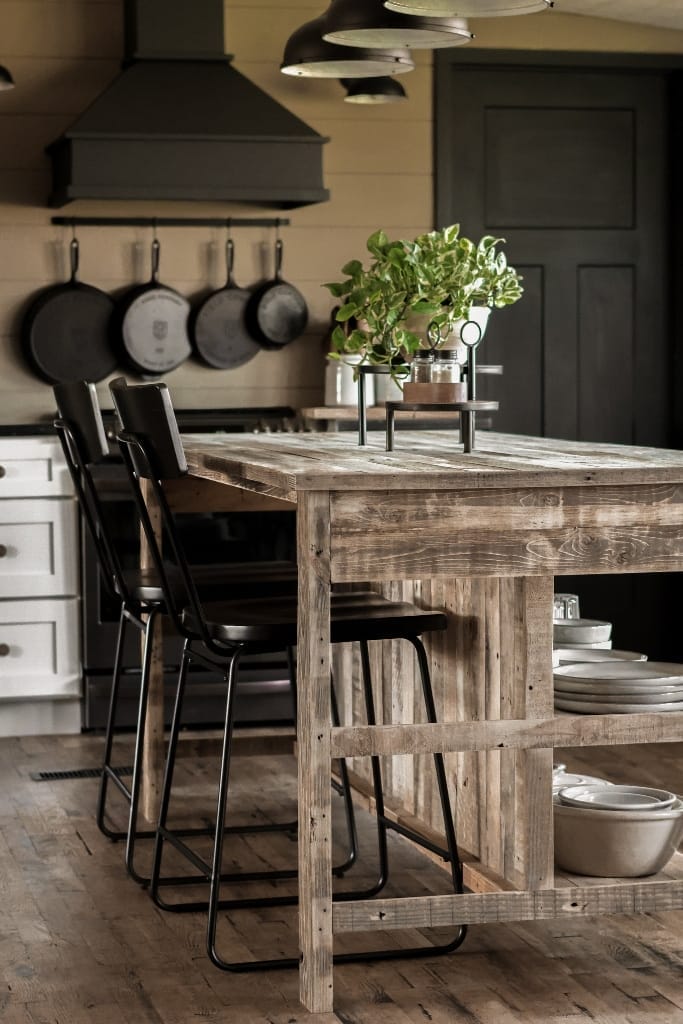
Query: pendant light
x,y
369,23
309,56
467,8
373,90
6,80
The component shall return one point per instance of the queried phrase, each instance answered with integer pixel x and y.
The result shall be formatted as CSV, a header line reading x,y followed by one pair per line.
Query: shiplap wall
x,y
378,166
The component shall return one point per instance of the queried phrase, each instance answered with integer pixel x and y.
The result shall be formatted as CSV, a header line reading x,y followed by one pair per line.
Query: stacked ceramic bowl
x,y
614,831
618,685
582,633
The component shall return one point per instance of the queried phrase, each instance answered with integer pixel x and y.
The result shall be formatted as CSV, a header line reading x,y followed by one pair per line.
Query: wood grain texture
x,y
313,732
476,908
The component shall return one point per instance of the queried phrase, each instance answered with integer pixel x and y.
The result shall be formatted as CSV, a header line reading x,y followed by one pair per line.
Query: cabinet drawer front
x,y
38,548
33,467
39,645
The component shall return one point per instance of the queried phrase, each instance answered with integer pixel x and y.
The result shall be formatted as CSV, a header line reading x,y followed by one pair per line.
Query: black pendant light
x,y
369,23
467,8
308,55
373,90
6,80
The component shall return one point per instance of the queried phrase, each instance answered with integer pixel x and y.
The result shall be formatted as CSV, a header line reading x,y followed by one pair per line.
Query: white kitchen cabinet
x,y
40,670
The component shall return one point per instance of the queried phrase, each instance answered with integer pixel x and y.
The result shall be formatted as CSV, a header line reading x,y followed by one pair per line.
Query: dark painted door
x,y
570,166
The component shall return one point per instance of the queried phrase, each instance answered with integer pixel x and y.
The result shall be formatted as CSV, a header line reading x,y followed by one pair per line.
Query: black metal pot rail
x,y
172,222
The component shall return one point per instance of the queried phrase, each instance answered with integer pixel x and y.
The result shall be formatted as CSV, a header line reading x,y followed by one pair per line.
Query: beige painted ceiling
x,y
663,13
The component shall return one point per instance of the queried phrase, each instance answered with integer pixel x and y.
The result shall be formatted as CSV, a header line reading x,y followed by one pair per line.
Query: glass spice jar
x,y
445,368
421,366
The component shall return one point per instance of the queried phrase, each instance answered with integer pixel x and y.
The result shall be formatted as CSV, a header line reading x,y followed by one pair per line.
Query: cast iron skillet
x,y
65,330
218,328
150,322
276,312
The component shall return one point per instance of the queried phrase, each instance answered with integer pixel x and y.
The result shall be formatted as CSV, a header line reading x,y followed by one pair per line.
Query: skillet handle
x,y
74,259
156,250
278,259
229,260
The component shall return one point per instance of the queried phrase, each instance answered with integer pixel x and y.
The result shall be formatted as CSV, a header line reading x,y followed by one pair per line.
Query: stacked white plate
x,y
572,655
618,687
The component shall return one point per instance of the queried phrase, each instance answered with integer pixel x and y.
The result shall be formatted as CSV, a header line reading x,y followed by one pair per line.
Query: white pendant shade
x,y
367,23
467,8
308,55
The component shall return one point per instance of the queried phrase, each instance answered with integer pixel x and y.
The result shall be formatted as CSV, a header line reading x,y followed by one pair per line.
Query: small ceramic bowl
x,y
615,844
582,631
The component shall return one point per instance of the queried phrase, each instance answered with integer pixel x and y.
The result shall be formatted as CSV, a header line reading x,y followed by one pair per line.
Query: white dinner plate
x,y
617,798
621,692
572,655
663,672
586,707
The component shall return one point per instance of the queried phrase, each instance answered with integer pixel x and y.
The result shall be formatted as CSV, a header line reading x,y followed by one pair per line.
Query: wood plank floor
x,y
82,944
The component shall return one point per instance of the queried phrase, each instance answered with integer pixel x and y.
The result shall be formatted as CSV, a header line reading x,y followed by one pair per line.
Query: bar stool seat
x,y
362,615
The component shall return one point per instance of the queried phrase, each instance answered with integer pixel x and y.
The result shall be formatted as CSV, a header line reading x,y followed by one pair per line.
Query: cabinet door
x,y
39,645
33,467
38,548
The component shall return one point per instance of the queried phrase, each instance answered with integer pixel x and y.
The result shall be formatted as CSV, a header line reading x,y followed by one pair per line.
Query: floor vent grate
x,y
76,773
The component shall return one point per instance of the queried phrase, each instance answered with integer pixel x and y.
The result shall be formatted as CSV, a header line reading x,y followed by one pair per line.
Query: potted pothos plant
x,y
441,277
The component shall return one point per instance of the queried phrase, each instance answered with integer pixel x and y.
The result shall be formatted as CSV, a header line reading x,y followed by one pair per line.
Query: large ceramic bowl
x,y
615,844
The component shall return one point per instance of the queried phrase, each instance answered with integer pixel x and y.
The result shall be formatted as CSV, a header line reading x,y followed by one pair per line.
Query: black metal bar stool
x,y
219,634
139,593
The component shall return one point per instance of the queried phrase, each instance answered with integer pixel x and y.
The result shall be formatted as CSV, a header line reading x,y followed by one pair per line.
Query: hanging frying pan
x,y
151,323
276,312
218,328
65,330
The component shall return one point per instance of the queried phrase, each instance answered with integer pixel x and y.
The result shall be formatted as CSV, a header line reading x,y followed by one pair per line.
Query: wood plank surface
x,y
82,943
561,730
427,459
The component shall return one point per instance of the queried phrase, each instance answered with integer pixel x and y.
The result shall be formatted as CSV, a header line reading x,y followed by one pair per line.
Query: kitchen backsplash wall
x,y
378,167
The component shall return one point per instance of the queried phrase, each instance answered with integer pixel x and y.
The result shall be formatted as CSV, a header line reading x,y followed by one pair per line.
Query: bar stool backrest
x,y
152,450
146,411
81,432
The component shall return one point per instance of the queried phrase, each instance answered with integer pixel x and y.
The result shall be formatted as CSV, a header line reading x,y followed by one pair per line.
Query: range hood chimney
x,y
180,122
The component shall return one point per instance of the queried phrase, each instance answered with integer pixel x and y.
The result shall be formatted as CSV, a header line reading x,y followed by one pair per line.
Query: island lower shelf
x,y
572,896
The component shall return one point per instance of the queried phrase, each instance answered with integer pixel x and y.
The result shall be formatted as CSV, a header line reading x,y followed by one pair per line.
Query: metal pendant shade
x,y
6,80
467,8
373,90
308,55
369,23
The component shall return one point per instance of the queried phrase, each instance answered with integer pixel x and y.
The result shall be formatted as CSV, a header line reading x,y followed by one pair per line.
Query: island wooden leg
x,y
313,738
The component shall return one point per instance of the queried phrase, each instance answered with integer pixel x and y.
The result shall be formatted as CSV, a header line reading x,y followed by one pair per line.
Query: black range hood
x,y
180,122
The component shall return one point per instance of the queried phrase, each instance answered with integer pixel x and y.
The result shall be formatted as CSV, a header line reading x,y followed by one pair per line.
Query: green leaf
x,y
346,311
352,268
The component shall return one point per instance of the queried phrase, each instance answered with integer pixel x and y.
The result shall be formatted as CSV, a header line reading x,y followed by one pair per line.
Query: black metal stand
x,y
464,408
362,404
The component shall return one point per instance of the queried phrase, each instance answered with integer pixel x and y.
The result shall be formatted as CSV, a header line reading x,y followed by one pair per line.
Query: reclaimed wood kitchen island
x,y
482,536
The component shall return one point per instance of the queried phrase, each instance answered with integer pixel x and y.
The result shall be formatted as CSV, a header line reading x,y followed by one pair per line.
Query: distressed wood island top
x,y
482,537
